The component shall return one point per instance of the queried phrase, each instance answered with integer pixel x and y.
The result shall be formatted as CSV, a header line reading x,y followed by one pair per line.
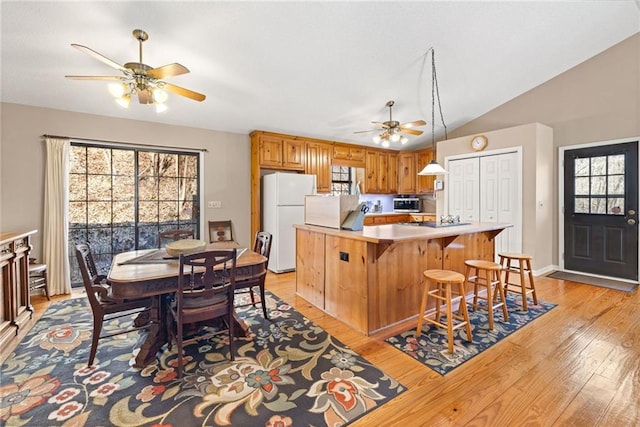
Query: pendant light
x,y
433,167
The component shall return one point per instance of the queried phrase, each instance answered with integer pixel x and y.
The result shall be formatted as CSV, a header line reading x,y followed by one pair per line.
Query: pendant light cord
x,y
435,91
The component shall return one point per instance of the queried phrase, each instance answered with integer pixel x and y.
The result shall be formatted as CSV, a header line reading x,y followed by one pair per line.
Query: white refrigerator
x,y
282,206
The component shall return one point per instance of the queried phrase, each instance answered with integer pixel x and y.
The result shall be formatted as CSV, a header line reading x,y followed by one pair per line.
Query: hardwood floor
x,y
577,365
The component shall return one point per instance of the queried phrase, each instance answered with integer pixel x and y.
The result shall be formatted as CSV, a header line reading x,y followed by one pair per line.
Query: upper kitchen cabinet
x,y
319,164
424,182
348,155
407,174
280,152
380,173
392,173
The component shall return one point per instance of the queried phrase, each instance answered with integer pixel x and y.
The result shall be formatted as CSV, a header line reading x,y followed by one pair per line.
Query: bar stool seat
x,y
487,274
444,280
38,278
524,266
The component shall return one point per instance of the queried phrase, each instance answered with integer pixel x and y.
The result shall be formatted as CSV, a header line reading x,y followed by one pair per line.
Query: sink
x,y
434,224
440,224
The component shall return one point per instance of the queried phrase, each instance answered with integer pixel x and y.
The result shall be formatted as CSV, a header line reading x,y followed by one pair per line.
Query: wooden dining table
x,y
152,273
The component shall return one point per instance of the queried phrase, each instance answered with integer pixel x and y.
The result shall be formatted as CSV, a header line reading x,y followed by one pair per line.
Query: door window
x,y
599,185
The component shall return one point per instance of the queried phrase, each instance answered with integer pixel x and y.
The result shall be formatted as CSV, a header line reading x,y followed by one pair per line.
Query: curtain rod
x,y
126,143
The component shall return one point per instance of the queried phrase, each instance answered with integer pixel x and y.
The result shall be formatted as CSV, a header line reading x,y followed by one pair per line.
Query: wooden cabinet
x,y
15,307
421,217
381,219
424,184
319,164
369,178
380,173
392,173
294,154
277,152
407,174
270,151
348,155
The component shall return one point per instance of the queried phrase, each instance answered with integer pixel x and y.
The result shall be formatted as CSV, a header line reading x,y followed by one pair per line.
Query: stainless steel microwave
x,y
406,204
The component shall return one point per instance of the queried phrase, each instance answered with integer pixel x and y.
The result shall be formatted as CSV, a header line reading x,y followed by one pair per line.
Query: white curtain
x,y
56,225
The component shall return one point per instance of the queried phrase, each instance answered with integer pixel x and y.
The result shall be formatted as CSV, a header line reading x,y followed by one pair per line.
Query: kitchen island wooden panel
x,y
310,266
372,278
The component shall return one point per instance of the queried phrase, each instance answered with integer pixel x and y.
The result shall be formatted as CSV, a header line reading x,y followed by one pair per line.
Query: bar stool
x,y
38,278
524,266
444,280
487,274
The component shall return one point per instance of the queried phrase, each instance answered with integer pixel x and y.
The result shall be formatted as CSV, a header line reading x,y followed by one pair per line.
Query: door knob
x,y
631,221
632,212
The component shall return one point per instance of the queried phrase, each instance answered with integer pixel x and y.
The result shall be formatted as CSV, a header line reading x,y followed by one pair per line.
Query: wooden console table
x,y
15,307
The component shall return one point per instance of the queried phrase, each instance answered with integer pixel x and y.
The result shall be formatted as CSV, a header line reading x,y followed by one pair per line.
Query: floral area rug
x,y
431,347
288,372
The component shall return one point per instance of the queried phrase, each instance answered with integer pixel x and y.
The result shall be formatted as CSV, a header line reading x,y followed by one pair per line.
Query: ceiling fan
x,y
391,129
140,79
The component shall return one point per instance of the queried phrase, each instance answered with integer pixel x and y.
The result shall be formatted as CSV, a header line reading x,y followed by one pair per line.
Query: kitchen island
x,y
372,279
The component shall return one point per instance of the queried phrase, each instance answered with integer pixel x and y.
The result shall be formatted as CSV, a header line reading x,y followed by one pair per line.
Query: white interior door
x,y
463,195
488,189
501,198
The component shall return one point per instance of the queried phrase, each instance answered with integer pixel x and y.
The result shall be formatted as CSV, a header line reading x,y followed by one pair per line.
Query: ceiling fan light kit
x,y
392,129
140,79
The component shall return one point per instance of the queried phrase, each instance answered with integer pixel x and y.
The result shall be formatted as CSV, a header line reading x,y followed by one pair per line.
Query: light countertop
x,y
400,213
399,232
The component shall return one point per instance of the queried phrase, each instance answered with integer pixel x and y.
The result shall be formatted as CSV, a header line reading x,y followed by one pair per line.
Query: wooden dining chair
x,y
261,245
201,298
104,307
173,235
220,231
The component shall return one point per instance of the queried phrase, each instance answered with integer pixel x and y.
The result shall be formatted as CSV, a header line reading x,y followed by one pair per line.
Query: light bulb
x,y
160,95
117,90
395,137
385,143
160,108
124,101
404,140
377,139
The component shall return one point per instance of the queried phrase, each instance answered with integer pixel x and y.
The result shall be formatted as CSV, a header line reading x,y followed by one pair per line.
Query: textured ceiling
x,y
318,69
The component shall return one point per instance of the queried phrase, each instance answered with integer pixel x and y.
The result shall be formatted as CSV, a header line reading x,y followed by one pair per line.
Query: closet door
x,y
501,198
463,183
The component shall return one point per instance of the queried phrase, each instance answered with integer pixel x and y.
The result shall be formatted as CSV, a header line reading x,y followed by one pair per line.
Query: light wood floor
x,y
578,365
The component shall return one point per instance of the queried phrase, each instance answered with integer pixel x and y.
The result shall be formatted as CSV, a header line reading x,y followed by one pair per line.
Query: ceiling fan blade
x,y
366,131
100,57
117,78
413,124
168,70
144,96
184,92
384,125
411,131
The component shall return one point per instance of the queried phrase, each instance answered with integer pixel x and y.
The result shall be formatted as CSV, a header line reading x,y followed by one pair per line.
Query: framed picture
x,y
220,231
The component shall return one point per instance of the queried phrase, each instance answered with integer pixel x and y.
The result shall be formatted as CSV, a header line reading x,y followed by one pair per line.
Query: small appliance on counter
x,y
406,204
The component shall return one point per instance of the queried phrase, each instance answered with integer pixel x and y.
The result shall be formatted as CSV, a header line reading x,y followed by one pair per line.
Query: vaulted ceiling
x,y
318,69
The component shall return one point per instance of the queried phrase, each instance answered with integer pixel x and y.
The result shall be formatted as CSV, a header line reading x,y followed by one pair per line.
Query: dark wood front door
x,y
601,210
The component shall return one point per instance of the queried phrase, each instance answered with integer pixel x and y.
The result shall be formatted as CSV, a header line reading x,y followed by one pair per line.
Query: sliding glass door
x,y
121,198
